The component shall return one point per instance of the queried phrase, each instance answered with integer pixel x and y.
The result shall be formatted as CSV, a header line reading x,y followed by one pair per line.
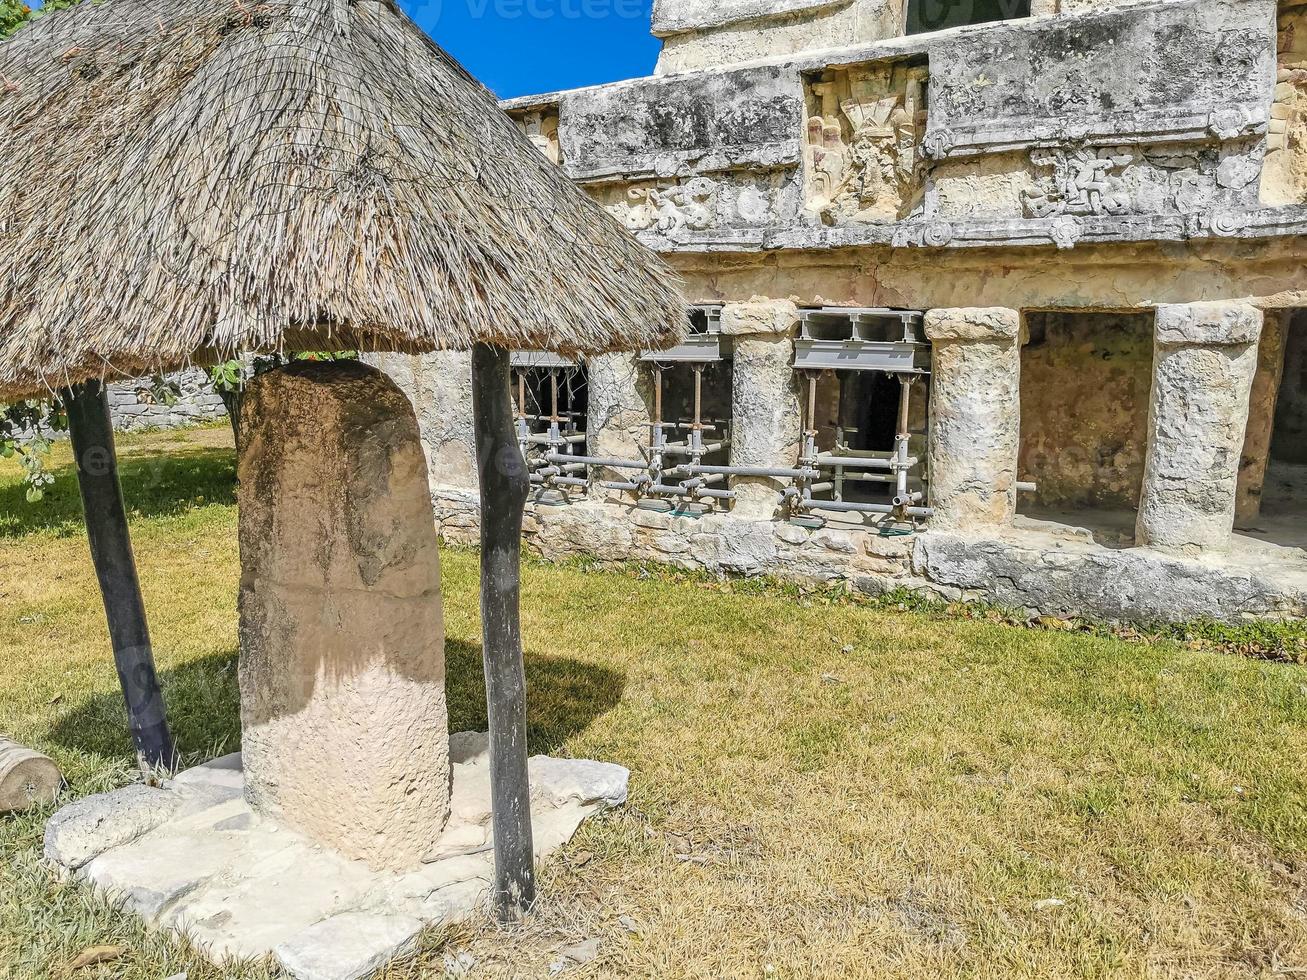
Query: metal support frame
x,y
548,441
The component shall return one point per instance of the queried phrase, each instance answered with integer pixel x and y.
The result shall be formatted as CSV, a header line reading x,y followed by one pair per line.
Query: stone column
x,y
1261,418
440,387
766,411
1203,367
620,391
342,673
975,416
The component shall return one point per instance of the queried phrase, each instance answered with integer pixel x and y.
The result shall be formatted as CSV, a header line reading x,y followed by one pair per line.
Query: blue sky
x,y
525,47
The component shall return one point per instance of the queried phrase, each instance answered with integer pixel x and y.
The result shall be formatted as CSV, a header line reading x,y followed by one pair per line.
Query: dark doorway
x,y
925,16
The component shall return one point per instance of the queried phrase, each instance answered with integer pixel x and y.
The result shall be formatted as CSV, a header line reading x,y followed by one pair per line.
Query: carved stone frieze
x,y
674,207
864,142
1136,180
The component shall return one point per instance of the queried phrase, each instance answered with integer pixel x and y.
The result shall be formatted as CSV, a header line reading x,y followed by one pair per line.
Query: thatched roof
x,y
185,179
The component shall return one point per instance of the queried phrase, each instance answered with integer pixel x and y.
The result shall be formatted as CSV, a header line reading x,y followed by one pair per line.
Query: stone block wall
x,y
134,408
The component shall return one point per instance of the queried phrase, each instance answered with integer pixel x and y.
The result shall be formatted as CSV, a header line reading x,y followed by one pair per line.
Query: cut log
x,y
26,777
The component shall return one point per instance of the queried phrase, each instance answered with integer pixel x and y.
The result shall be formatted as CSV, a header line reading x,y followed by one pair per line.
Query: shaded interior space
x,y
1086,380
857,414
698,392
925,16
552,394
1272,504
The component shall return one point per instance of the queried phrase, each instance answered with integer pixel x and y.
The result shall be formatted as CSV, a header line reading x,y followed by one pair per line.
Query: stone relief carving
x,y
721,202
1083,182
668,210
864,155
1086,182
541,127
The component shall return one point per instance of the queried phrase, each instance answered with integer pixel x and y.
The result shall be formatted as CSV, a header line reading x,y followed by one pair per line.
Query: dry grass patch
x,y
946,799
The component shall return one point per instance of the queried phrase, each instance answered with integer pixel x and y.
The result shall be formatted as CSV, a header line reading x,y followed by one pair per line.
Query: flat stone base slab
x,y
193,857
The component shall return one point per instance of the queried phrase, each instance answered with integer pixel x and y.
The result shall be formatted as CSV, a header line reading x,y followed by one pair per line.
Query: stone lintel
x,y
759,316
1223,324
992,324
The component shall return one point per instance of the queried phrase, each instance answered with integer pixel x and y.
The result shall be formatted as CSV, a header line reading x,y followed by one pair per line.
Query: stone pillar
x,y
1261,418
620,391
766,411
440,387
975,416
342,673
1203,367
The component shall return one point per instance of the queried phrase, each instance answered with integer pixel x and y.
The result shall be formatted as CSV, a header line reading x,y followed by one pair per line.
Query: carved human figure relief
x,y
1082,182
541,128
864,154
668,208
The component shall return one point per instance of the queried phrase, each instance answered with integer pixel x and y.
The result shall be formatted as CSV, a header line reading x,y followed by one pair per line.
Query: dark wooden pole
x,y
91,429
504,487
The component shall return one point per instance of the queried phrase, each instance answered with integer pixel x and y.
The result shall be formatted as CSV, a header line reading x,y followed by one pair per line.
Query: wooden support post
x,y
504,487
111,552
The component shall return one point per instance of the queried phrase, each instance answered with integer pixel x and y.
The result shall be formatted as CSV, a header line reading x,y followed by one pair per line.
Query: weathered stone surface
x,y
1059,578
689,126
240,884
342,662
759,316
766,420
620,393
349,946
83,830
975,409
440,387
1203,373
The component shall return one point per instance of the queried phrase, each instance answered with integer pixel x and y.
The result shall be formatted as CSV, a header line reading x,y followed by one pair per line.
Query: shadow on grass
x,y
155,485
564,697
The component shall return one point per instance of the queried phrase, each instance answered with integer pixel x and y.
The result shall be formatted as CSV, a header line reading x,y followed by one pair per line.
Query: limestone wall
x,y
709,33
135,408
1085,380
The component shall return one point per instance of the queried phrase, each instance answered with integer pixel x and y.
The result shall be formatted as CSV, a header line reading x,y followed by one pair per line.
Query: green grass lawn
x,y
820,788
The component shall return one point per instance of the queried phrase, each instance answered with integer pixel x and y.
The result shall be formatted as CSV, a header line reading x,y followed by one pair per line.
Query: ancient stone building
x,y
993,299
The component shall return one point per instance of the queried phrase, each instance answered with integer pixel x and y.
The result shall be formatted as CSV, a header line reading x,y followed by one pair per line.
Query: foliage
x,y
232,376
25,430
14,14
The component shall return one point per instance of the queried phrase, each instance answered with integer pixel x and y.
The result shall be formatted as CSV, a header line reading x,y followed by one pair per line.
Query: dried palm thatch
x,y
184,179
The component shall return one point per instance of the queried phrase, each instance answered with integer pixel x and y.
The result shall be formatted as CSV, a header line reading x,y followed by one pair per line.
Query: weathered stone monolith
x,y
342,651
975,408
1206,356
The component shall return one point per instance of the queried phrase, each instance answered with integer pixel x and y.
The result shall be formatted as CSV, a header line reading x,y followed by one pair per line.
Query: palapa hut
x,y
186,180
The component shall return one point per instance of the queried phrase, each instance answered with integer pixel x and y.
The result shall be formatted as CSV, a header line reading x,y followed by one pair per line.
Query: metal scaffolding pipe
x,y
839,506
614,464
